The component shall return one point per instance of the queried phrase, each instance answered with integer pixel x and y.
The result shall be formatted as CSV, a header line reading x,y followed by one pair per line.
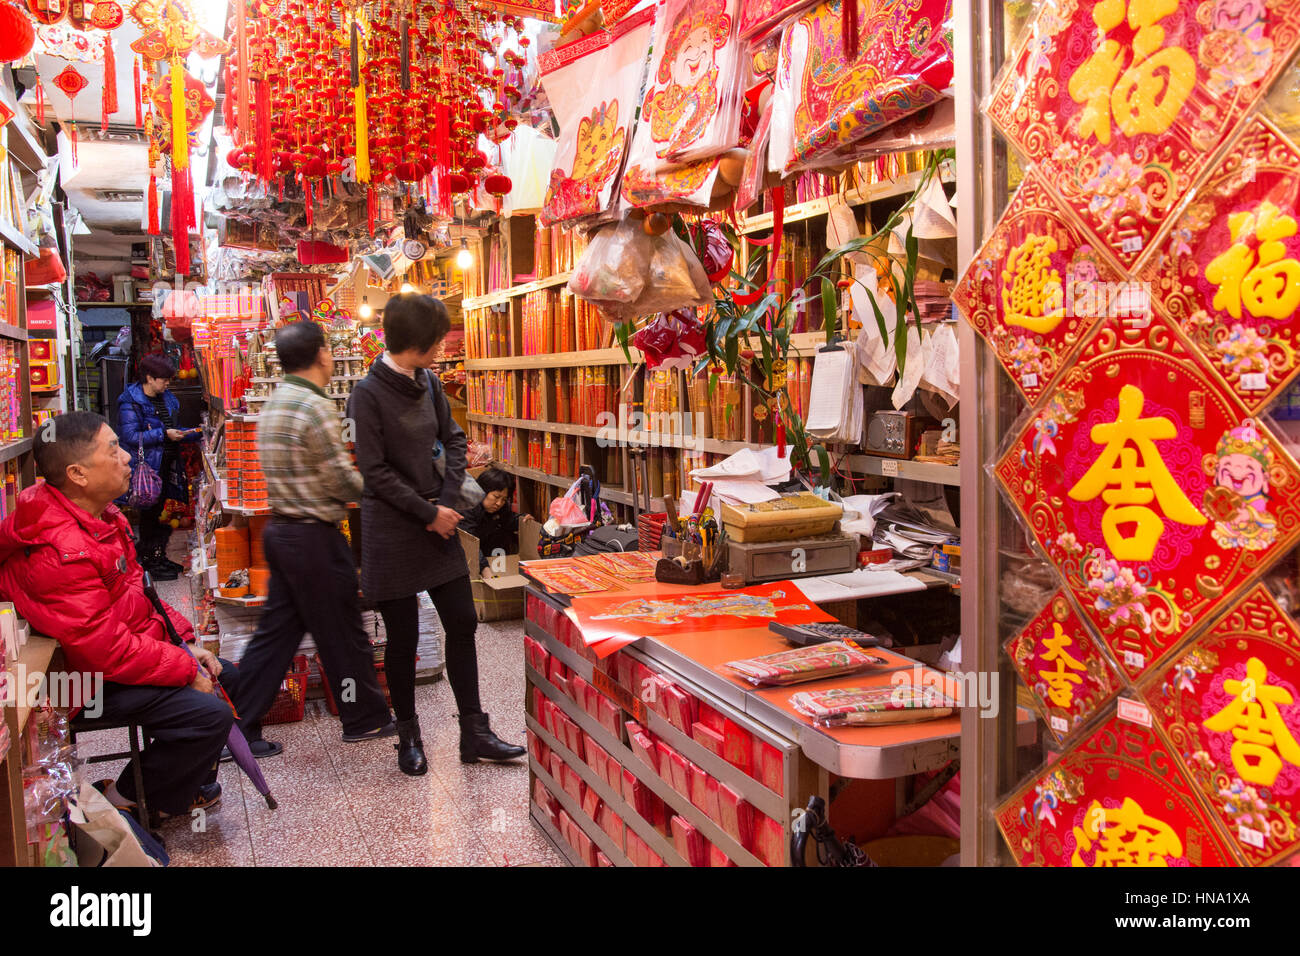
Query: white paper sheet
x,y
833,376
913,370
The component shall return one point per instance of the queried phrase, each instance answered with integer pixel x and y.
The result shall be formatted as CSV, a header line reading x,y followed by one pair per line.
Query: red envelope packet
x,y
737,746
717,857
680,708
736,816
710,718
680,774
699,787
602,859
689,843
591,803
771,768
636,849
611,715
578,689
707,737
556,766
586,846
597,757
644,746
712,802
573,784
665,762
769,841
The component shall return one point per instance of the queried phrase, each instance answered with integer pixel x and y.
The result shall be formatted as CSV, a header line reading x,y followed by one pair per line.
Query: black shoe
x,y
387,730
258,748
477,742
410,748
178,568
161,572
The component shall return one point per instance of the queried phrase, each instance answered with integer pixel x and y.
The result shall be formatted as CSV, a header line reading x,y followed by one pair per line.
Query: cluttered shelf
x,y
559,481
17,240
13,332
813,208
505,295
13,449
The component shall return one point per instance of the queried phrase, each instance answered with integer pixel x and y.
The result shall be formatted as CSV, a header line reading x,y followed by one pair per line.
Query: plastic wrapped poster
x,y
1150,489
1123,104
757,17
596,118
815,662
693,98
860,706
1067,671
823,104
1118,798
1228,706
1038,284
651,615
1227,269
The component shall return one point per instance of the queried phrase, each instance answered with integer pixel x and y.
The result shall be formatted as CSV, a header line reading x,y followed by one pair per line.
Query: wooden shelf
x,y
505,295
250,601
16,240
48,391
114,305
15,448
803,344
559,481
900,468
813,208
34,657
13,332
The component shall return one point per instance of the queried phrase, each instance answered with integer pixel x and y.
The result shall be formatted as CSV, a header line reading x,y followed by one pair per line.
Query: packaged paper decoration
x,y
593,85
1123,105
1227,268
815,662
851,706
823,102
759,16
1228,704
692,102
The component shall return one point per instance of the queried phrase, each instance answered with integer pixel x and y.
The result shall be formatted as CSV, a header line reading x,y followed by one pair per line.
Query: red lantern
x,y
17,35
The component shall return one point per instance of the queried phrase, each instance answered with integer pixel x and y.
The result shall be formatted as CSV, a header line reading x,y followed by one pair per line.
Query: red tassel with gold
x,y
153,205
108,100
849,29
139,105
40,101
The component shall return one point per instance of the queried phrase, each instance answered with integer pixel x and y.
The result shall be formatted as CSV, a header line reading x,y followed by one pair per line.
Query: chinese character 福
x,y
1269,287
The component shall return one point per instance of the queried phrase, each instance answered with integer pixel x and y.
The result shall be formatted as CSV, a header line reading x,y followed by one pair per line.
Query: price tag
x,y
1132,244
889,468
1250,837
1134,711
1029,380
607,686
1135,660
1060,725
1255,382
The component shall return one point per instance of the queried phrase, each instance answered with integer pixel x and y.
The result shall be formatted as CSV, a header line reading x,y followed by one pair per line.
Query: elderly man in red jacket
x,y
68,563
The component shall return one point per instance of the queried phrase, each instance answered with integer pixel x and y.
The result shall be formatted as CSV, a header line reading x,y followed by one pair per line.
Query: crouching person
x,y
68,563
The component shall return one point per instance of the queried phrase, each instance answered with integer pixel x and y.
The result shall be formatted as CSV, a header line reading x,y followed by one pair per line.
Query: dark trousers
x,y
313,589
185,730
154,535
455,603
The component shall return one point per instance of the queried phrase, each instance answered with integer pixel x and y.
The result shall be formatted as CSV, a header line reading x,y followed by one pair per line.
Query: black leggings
x,y
455,604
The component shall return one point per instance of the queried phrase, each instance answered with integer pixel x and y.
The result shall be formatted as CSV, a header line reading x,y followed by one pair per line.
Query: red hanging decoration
x,y
849,29
153,205
71,83
139,104
371,210
182,216
40,101
108,99
306,185
17,35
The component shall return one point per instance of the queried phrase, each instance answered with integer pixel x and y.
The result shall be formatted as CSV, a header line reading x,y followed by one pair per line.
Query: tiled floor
x,y
348,805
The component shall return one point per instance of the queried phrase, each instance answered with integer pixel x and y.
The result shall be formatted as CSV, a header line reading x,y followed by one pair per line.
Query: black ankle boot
x,y
478,742
410,748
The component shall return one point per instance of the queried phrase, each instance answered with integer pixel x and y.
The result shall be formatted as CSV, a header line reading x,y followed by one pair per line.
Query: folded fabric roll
x,y
818,661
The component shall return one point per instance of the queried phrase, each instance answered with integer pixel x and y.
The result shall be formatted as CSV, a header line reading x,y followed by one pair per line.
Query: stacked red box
x,y
736,816
613,825
643,745
769,840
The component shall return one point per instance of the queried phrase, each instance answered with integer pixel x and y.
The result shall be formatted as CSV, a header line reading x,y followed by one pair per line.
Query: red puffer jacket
x,y
76,579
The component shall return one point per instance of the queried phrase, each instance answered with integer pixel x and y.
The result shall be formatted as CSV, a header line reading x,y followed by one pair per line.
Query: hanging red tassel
x,y
306,185
182,213
265,167
849,29
72,139
280,180
444,159
108,100
40,101
241,81
153,205
371,203
139,105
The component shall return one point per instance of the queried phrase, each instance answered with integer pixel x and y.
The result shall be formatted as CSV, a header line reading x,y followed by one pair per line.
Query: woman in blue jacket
x,y
147,421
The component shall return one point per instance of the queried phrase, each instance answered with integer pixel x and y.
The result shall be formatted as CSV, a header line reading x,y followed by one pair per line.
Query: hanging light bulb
x,y
407,288
365,311
464,258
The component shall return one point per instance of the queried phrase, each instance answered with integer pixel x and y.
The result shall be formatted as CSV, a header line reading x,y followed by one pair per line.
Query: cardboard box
x,y
501,597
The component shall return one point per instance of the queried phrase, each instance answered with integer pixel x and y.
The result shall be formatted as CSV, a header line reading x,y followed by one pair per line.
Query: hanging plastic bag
x,y
676,280
612,270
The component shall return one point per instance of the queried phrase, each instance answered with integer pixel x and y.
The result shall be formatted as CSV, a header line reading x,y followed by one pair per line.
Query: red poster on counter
x,y
622,619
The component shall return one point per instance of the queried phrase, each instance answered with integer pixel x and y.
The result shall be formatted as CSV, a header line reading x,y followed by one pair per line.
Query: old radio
x,y
895,434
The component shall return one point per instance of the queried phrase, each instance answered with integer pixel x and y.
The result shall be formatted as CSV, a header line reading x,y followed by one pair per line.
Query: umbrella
x,y
236,742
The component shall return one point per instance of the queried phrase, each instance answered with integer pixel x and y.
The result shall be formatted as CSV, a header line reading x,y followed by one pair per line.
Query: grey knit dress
x,y
397,421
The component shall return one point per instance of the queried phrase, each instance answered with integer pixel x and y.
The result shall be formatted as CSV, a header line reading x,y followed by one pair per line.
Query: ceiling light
x,y
407,288
365,311
464,258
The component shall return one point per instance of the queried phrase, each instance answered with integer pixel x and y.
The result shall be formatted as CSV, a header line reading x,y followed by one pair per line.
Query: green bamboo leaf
x,y
749,286
830,309
824,464
713,384
757,265
838,253
880,318
733,354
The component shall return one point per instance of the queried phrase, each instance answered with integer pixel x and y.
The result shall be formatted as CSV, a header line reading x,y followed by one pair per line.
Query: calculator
x,y
802,635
